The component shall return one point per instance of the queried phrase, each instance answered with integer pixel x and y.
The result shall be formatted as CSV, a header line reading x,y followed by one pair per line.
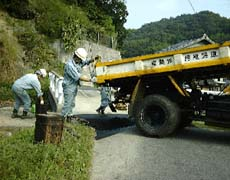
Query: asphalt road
x,y
193,154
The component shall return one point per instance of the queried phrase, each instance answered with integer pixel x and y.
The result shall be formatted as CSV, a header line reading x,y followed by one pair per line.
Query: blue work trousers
x,y
105,97
21,98
69,101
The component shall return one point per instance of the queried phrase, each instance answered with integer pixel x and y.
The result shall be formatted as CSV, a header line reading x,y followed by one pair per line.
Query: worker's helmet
x,y
41,72
81,53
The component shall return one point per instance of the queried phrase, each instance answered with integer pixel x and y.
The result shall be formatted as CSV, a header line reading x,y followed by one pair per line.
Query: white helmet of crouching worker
x,y
81,53
41,72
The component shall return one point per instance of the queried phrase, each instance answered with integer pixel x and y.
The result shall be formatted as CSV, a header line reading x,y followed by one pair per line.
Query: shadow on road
x,y
107,124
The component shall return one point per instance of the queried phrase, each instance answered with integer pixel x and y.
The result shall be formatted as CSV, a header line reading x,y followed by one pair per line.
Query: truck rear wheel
x,y
157,116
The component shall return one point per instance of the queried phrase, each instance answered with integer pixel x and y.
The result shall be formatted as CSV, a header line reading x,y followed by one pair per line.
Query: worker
x,y
72,76
105,92
27,82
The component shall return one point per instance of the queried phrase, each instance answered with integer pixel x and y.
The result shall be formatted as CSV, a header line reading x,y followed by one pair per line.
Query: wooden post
x,y
48,128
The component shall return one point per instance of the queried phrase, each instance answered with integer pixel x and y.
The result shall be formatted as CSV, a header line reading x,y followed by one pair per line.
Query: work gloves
x,y
93,79
42,102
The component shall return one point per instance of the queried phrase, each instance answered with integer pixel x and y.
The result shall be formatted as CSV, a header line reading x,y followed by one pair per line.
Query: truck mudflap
x,y
157,116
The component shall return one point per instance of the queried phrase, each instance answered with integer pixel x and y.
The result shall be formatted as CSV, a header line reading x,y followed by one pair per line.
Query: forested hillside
x,y
72,19
155,36
28,28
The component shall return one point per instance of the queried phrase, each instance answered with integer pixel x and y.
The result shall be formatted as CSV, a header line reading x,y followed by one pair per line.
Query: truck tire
x,y
157,116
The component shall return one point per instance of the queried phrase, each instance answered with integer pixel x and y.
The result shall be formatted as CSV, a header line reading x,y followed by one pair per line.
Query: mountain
x,y
155,36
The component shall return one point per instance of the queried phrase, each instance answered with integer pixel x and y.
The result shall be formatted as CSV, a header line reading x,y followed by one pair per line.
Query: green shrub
x,y
10,54
53,15
71,159
5,92
19,9
72,32
37,49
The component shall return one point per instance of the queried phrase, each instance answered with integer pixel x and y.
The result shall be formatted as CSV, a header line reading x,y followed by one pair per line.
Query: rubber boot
x,y
15,114
69,118
24,115
98,110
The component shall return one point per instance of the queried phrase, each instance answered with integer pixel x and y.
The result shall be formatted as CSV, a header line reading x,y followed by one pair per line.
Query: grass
x,y
71,159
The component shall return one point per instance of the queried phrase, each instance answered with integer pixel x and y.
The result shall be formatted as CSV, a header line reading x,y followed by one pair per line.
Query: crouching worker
x,y
27,82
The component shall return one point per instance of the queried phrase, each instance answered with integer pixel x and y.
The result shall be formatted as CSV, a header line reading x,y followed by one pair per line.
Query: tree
x,y
118,12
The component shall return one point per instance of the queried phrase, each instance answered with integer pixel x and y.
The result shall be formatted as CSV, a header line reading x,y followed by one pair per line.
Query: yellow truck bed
x,y
173,61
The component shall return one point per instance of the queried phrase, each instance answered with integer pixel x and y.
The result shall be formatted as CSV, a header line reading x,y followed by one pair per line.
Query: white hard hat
x,y
43,72
81,53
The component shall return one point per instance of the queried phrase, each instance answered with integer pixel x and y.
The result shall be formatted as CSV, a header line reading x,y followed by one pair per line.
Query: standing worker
x,y
26,82
72,76
105,92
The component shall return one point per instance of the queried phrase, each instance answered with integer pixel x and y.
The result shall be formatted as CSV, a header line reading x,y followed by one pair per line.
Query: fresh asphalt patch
x,y
107,124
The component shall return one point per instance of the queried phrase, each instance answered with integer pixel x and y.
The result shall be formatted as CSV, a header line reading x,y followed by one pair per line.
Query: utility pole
x,y
192,6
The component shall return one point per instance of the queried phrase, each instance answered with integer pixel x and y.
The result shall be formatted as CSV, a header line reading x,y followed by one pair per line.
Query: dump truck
x,y
166,91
